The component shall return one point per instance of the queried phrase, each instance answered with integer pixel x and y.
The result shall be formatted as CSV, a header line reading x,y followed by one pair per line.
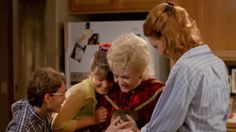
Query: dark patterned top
x,y
138,96
25,119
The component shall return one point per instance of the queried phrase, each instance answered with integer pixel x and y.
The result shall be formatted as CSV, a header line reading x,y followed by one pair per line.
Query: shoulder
x,y
21,122
152,83
24,111
151,87
77,89
19,106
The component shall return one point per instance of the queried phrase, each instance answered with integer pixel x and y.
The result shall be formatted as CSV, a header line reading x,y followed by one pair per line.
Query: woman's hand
x,y
100,115
118,125
131,124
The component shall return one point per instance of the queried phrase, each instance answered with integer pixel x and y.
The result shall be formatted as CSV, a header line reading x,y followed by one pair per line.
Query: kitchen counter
x,y
231,124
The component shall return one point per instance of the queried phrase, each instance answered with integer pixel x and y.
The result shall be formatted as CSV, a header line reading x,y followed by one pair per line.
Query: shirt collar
x,y
203,49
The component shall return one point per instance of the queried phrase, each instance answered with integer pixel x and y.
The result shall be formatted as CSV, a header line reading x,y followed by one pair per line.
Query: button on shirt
x,y
196,95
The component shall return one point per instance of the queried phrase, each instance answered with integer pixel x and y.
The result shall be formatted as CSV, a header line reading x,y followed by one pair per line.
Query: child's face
x,y
102,85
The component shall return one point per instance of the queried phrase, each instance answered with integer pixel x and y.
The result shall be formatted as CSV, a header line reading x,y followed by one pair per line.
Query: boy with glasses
x,y
45,94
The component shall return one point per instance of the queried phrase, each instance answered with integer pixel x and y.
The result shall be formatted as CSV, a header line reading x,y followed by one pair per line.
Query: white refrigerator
x,y
82,38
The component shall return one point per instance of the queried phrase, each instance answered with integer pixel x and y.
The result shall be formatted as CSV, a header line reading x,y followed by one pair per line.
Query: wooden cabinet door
x,y
90,6
216,20
231,127
136,5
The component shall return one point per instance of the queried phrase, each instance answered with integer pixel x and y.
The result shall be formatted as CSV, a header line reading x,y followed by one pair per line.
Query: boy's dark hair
x,y
44,80
132,113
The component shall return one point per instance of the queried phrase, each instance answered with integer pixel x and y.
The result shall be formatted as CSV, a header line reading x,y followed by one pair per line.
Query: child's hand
x,y
100,115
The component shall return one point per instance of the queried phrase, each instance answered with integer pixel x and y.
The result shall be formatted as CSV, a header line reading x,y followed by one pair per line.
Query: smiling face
x,y
102,85
55,100
126,79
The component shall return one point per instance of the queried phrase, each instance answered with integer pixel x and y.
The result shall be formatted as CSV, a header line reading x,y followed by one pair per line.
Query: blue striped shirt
x,y
196,95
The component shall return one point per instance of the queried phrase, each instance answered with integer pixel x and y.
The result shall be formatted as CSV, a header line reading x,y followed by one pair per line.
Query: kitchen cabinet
x,y
231,127
90,6
231,124
135,5
109,6
216,21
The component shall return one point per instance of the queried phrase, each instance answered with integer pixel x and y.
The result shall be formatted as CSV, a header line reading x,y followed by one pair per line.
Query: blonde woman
x,y
129,60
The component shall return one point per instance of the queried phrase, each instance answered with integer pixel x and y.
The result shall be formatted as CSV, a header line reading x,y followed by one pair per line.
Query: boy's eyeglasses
x,y
57,94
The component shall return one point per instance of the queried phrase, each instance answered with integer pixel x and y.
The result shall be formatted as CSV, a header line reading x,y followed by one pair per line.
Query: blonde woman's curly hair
x,y
130,51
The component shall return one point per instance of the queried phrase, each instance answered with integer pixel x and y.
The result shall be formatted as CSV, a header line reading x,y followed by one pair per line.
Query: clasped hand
x,y
118,125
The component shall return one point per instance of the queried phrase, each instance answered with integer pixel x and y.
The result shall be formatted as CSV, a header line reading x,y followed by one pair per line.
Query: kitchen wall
x,y
56,15
5,73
